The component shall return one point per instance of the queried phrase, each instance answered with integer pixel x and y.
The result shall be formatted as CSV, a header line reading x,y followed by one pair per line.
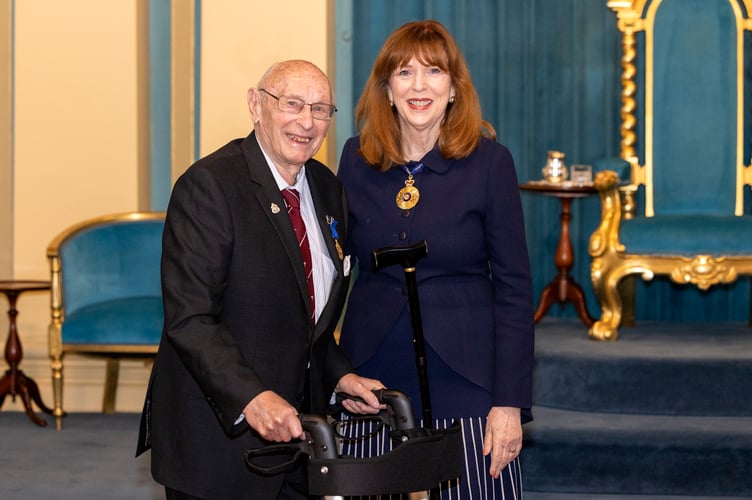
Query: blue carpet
x,y
665,410
580,496
618,423
91,458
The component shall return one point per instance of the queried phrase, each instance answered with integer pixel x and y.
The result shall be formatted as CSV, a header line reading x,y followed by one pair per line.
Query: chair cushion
x,y
688,235
129,321
110,262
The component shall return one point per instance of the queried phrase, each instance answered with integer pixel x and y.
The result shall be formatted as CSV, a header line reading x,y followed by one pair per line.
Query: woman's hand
x,y
503,439
361,387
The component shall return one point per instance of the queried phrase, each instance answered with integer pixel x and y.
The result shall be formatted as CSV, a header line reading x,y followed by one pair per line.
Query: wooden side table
x,y
563,287
15,382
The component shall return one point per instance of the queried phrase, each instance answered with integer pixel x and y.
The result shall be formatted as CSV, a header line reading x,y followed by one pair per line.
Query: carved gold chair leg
x,y
57,391
610,304
606,284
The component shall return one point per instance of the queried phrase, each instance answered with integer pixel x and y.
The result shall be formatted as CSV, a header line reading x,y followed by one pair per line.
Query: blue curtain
x,y
548,75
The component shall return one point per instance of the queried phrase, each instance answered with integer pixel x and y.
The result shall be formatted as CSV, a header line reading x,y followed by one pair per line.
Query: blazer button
x,y
402,236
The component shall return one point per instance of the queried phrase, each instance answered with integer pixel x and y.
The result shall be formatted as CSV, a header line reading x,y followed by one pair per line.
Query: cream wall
x,y
240,40
76,135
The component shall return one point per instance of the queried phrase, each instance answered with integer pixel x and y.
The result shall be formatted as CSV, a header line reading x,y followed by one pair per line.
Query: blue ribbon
x,y
333,228
412,170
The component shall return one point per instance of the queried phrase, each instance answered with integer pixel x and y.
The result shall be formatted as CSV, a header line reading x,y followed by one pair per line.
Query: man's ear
x,y
254,104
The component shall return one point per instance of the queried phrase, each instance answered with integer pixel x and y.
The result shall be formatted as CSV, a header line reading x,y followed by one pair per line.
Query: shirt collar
x,y
300,179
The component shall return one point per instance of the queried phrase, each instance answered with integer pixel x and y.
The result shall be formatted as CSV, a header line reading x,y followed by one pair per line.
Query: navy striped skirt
x,y
475,482
453,398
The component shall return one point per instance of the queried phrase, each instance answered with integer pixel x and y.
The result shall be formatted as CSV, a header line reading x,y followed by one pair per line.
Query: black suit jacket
x,y
237,320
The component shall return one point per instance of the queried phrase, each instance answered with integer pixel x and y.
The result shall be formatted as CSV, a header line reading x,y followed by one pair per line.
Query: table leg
x,y
563,288
14,381
29,392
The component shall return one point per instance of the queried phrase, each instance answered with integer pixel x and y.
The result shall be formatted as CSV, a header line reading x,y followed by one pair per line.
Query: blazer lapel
x,y
273,205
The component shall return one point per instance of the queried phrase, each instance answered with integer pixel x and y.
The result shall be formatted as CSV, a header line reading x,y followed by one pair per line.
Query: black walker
x,y
421,457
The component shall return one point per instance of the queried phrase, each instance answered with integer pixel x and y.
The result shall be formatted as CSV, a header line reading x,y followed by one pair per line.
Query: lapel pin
x,y
275,208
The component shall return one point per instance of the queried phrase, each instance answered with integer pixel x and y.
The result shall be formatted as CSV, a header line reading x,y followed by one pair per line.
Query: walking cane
x,y
407,257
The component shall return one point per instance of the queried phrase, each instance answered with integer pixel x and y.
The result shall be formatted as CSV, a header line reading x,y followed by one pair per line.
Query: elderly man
x,y
252,295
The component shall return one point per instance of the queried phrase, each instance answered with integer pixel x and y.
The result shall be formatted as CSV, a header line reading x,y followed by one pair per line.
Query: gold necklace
x,y
408,196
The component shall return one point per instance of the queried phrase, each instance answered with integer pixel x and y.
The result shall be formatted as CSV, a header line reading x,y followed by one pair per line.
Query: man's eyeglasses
x,y
293,105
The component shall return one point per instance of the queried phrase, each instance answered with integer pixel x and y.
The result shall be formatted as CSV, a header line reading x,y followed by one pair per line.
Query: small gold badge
x,y
340,253
335,235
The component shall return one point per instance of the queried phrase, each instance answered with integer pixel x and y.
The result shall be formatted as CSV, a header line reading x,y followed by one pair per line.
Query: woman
x,y
426,166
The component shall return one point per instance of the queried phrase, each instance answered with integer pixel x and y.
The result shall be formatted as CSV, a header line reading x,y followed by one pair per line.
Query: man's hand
x,y
503,438
361,387
273,417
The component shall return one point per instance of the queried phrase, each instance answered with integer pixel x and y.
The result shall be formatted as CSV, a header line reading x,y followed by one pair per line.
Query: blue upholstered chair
x,y
106,295
685,133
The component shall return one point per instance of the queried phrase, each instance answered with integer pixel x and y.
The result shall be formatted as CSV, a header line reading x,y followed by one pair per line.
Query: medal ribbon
x,y
414,170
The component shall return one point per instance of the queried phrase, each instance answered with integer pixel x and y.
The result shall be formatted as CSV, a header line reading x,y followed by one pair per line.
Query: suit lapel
x,y
273,205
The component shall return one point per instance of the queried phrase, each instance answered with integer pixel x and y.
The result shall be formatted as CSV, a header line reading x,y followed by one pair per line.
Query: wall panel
x,y
239,41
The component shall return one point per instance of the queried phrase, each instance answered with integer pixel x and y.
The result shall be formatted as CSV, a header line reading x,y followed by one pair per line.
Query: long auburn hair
x,y
378,123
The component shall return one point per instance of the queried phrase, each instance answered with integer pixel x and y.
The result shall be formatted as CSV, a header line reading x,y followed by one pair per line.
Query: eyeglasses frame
x,y
332,107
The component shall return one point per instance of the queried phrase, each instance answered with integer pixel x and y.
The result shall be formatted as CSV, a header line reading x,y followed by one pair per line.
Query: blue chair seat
x,y
687,235
114,323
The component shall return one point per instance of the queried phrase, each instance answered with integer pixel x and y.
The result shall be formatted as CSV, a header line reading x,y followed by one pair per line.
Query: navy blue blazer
x,y
474,286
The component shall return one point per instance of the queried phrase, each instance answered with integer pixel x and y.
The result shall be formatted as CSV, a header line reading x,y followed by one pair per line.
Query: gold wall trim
x,y
740,106
183,85
6,138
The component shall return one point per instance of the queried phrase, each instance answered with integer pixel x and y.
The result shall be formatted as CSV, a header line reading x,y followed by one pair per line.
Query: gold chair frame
x,y
610,262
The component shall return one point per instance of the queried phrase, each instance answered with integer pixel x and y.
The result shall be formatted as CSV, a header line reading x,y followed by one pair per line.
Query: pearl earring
x,y
451,99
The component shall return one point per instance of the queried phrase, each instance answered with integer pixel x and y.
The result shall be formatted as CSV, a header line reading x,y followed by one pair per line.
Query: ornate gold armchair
x,y
106,295
685,135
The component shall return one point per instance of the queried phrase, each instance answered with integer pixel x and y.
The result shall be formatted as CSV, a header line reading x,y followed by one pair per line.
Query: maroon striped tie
x,y
292,200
